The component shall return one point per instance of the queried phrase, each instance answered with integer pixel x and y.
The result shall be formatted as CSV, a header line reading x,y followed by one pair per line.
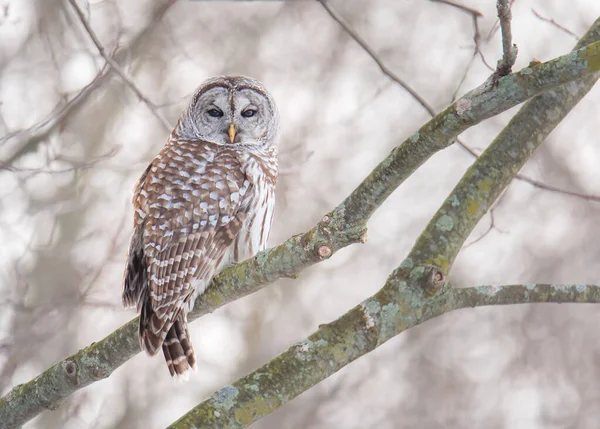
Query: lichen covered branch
x,y
525,294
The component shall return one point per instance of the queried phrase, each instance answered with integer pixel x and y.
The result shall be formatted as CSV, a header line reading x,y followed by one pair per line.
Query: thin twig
x,y
464,8
22,139
551,188
115,66
509,50
384,69
475,15
556,24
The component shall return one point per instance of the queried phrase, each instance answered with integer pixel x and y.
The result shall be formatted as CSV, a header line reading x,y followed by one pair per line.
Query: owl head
x,y
230,110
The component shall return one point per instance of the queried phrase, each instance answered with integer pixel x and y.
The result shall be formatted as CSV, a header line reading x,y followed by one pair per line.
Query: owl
x,y
205,202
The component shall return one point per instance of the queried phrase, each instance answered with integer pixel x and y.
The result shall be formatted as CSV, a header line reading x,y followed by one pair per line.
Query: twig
x,y
17,142
462,7
475,15
491,227
76,165
509,50
556,24
551,188
115,66
25,140
384,69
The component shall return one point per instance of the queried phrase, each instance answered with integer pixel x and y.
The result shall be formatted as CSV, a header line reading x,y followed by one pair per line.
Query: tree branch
x,y
17,143
525,294
416,291
115,66
555,24
13,143
384,69
341,227
509,50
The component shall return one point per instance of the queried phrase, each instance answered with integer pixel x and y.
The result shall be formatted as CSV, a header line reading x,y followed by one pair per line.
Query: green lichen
x,y
445,223
390,313
372,307
415,137
249,411
406,264
417,273
592,55
225,398
454,201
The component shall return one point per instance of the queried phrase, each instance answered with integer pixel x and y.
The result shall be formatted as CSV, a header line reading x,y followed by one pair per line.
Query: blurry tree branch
x,y
16,143
395,78
384,69
43,128
115,66
416,291
390,311
462,7
555,24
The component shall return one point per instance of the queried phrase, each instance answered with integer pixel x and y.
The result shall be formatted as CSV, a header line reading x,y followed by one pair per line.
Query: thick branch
x,y
416,290
343,226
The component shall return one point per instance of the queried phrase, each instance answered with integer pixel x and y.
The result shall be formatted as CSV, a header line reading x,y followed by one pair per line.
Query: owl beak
x,y
231,132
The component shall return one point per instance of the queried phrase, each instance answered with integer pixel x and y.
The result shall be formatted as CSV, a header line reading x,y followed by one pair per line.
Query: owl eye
x,y
248,113
215,113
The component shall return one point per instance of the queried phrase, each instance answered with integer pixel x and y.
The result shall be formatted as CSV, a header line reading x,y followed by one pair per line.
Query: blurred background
x,y
74,137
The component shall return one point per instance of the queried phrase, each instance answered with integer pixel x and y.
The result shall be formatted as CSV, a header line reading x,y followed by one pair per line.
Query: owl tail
x,y
176,344
177,348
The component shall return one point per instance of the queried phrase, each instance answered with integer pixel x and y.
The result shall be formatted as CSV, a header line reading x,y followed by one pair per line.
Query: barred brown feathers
x,y
205,201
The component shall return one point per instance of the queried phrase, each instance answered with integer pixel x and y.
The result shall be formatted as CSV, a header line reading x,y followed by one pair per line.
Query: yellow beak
x,y
231,132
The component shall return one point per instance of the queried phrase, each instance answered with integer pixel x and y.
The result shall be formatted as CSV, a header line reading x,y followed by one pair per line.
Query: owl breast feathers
x,y
206,201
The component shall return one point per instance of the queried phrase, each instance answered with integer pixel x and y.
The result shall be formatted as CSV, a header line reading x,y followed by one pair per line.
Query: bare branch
x,y
115,66
540,185
462,7
384,69
556,24
15,143
509,50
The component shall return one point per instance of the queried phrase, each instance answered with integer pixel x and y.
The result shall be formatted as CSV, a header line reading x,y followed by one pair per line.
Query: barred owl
x,y
205,202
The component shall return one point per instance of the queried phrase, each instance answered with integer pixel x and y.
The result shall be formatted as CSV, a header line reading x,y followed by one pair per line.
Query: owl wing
x,y
190,211
134,281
